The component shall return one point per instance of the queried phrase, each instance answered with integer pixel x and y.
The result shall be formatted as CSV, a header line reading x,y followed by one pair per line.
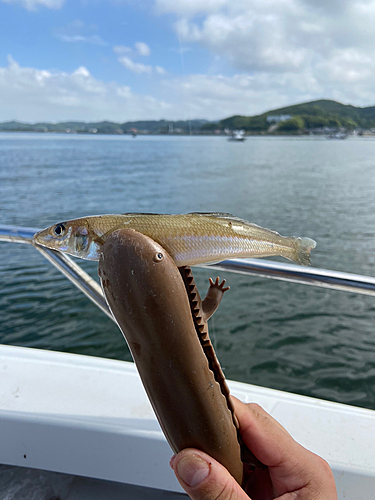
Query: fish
x,y
190,239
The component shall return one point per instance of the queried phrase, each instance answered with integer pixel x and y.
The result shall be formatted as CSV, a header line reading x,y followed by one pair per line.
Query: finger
x,y
244,407
211,282
205,479
263,435
217,281
222,286
291,466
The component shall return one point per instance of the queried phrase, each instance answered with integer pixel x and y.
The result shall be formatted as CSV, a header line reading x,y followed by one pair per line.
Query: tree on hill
x,y
248,123
292,125
210,127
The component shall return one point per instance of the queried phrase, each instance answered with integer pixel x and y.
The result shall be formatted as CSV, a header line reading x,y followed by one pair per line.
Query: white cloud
x,y
121,49
189,7
297,49
216,97
250,40
82,71
348,66
33,4
30,94
74,32
142,49
276,35
94,39
135,67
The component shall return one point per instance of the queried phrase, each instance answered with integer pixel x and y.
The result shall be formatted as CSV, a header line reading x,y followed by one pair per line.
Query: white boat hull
x,y
90,417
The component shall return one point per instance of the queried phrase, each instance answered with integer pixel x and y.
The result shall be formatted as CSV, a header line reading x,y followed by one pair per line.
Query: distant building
x,y
278,118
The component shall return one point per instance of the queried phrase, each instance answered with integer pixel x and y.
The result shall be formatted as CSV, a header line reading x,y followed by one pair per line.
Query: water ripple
x,y
290,337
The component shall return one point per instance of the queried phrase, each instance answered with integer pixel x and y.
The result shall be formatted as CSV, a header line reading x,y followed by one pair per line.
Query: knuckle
x,y
227,492
256,409
324,465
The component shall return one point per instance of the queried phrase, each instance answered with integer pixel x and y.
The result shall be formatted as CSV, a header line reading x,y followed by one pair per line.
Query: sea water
x,y
275,334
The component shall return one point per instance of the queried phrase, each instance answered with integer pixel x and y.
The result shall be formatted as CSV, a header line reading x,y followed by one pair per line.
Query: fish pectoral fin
x,y
100,240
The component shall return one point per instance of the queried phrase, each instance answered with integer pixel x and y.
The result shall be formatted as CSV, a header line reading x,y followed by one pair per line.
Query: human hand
x,y
293,473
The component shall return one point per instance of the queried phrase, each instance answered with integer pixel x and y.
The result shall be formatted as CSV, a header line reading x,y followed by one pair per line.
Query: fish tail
x,y
302,249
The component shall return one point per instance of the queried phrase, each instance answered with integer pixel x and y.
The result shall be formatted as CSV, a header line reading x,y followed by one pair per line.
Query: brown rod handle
x,y
147,296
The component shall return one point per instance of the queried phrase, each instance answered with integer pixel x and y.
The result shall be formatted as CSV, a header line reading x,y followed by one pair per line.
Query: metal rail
x,y
63,262
334,280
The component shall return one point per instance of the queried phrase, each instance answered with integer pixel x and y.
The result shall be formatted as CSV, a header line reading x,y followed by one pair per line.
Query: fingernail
x,y
193,470
171,461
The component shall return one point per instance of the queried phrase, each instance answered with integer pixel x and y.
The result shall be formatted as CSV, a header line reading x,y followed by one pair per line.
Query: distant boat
x,y
134,132
237,135
338,135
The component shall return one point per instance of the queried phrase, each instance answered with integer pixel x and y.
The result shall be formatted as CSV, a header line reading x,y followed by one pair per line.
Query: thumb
x,y
203,478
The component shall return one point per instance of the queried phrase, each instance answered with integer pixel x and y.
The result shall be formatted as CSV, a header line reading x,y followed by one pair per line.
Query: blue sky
x,y
86,33
126,60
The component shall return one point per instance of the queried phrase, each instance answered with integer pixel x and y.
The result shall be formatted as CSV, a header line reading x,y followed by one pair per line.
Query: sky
x,y
122,60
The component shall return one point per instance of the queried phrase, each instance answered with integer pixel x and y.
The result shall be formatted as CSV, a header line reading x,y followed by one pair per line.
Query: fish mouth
x,y
46,239
42,238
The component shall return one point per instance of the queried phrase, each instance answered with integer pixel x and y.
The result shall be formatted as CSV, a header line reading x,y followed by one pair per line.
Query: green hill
x,y
106,127
303,118
311,115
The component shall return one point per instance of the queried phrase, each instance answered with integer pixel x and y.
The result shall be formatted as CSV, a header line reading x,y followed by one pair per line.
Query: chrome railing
x,y
334,280
63,262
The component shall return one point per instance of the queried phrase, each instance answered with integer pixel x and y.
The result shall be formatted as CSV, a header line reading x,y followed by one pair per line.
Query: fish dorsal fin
x,y
223,215
141,213
219,216
214,215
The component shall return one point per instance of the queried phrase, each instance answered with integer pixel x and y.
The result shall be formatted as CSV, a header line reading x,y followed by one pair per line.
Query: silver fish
x,y
190,239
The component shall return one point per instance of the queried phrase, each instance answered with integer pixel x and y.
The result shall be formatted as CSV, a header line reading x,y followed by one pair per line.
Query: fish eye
x,y
59,229
158,257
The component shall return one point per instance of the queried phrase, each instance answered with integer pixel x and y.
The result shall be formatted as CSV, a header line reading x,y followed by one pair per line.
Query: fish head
x,y
73,237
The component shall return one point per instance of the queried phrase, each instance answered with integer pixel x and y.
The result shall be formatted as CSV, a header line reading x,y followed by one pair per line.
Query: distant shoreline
x,y
321,117
364,134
